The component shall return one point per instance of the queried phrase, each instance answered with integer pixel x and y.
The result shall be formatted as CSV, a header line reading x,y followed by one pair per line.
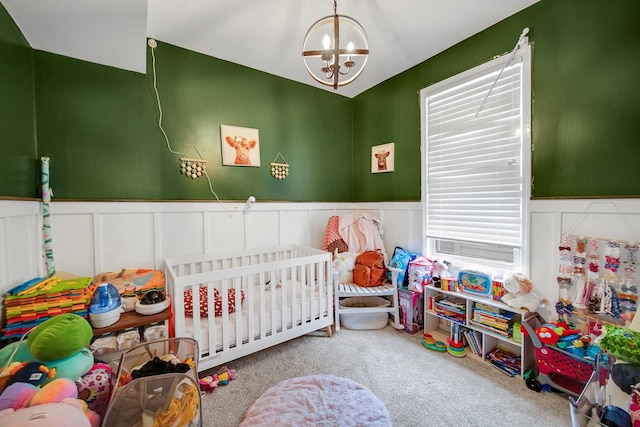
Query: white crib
x,y
287,289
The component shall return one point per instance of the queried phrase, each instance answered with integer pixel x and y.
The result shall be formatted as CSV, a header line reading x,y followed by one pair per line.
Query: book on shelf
x,y
490,322
449,309
486,307
499,314
504,360
454,304
473,340
505,333
505,369
477,340
467,336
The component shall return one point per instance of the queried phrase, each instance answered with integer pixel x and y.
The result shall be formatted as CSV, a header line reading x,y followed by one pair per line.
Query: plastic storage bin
x,y
364,321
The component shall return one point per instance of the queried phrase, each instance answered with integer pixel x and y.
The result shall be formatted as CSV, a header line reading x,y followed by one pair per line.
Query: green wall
x,y
586,100
17,112
99,126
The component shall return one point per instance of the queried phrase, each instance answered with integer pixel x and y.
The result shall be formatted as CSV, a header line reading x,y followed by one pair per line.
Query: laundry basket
x,y
172,398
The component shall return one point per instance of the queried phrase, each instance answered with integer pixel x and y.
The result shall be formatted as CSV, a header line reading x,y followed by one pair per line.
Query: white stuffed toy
x,y
343,264
519,292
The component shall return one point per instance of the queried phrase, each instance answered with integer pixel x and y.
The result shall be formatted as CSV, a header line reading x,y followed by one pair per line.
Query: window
x,y
476,164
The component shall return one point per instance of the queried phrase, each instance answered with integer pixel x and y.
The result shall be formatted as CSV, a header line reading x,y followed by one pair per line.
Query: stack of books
x,y
505,361
493,319
451,308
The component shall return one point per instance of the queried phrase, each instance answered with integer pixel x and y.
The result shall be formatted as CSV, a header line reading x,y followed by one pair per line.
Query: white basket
x,y
364,321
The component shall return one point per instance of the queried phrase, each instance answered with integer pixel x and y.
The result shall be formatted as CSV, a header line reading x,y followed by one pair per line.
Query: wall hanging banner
x,y
280,170
46,219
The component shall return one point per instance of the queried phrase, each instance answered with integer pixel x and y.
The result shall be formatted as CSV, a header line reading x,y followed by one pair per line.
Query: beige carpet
x,y
419,387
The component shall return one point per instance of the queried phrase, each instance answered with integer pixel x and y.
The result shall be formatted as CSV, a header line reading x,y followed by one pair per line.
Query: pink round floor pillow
x,y
204,302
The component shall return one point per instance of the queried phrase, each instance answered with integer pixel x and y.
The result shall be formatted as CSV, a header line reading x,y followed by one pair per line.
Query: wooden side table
x,y
133,319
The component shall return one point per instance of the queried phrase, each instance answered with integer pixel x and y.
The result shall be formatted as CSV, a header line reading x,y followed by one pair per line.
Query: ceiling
x,y
262,34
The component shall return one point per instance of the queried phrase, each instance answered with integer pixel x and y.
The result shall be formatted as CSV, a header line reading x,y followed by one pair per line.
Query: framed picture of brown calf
x,y
382,158
240,146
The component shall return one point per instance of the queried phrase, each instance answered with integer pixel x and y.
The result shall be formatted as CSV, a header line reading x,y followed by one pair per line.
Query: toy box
x,y
411,310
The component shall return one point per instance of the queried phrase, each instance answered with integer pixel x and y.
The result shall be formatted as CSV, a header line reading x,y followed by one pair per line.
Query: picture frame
x,y
240,146
383,158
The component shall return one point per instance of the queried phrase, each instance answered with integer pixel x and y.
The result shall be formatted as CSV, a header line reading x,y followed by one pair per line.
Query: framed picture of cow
x,y
240,146
383,158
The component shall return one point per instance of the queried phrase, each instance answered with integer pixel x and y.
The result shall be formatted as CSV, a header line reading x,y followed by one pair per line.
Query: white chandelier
x,y
335,49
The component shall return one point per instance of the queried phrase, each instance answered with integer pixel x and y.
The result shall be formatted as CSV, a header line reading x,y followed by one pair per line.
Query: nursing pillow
x,y
204,302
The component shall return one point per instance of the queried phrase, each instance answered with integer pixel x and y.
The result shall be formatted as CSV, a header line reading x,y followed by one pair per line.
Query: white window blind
x,y
476,167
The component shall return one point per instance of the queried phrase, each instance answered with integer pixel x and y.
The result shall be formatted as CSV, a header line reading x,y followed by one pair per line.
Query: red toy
x,y
551,333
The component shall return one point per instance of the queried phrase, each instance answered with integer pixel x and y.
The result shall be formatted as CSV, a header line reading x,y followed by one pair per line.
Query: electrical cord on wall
x,y
153,44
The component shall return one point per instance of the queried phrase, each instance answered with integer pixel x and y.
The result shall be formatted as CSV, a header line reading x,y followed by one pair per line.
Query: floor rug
x,y
317,400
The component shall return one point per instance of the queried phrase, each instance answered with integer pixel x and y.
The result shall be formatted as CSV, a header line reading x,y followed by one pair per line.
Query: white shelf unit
x,y
439,326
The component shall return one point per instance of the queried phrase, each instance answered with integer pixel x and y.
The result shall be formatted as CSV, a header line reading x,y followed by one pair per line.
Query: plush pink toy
x,y
55,391
58,399
17,395
222,377
49,414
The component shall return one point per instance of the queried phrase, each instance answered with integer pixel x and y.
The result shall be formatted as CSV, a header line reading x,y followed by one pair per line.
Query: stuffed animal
x,y
343,264
57,400
72,367
519,292
222,377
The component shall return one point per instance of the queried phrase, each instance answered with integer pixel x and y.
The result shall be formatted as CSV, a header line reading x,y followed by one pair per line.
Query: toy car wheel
x,y
534,384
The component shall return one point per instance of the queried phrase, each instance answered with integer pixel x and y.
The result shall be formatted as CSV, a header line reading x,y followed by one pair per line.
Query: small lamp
x,y
335,49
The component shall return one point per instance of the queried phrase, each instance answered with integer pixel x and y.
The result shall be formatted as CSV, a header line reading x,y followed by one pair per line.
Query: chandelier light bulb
x,y
326,41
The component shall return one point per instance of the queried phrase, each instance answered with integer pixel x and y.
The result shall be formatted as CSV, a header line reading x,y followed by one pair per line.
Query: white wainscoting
x,y
20,243
617,219
93,237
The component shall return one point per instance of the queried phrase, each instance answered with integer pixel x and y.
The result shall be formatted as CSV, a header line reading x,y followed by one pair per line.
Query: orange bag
x,y
369,269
